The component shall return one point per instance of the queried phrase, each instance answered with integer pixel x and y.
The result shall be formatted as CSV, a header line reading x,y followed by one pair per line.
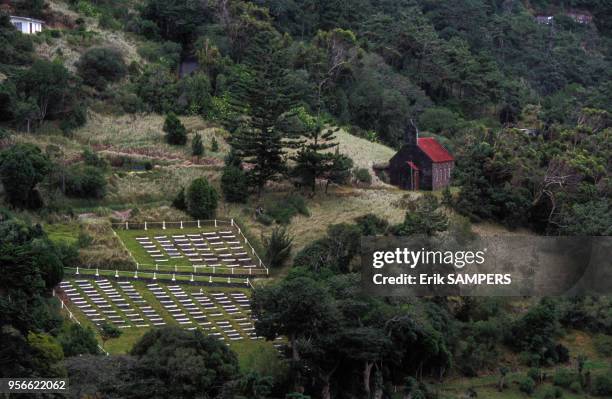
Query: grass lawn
x,y
67,233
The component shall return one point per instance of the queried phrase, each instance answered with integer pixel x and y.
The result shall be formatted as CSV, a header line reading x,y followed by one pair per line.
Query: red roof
x,y
434,150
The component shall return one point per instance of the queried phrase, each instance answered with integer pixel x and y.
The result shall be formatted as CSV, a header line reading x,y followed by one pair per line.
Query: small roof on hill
x,y
434,150
27,19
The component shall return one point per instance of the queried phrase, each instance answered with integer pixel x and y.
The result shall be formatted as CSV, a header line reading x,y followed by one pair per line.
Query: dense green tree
x,y
234,184
176,134
313,159
201,199
197,148
261,138
85,182
174,362
48,86
99,66
78,340
426,218
22,168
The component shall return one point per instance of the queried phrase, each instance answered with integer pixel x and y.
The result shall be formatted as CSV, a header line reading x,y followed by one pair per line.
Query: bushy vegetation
x,y
201,199
100,66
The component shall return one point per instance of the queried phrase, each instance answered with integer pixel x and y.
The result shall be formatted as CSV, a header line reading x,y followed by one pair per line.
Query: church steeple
x,y
411,133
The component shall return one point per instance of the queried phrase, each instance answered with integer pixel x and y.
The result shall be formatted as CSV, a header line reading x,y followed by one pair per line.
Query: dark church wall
x,y
399,171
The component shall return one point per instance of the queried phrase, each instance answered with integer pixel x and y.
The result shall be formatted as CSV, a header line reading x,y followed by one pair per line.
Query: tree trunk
x,y
367,371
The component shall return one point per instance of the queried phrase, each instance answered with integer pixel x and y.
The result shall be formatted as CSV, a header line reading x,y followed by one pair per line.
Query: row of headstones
x,y
116,309
188,314
193,247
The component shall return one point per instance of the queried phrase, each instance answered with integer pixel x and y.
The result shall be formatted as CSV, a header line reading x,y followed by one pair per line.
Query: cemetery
x,y
196,275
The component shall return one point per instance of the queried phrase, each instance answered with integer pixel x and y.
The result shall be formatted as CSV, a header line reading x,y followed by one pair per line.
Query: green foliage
x,y
173,362
156,86
214,145
180,201
602,385
165,53
548,392
535,332
362,175
426,218
22,168
263,93
176,134
100,66
85,182
108,331
197,148
201,199
565,378
439,120
371,225
47,355
15,48
77,340
234,184
527,385
603,344
283,210
278,247
336,251
47,90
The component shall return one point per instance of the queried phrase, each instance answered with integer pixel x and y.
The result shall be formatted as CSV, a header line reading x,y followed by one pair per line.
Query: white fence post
x,y
145,225
164,225
215,222
77,272
127,227
181,225
232,222
97,272
199,224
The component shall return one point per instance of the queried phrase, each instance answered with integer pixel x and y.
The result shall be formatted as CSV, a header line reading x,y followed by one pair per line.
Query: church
x,y
421,164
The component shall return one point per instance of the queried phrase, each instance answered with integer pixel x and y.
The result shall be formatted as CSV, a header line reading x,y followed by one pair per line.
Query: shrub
x,y
197,149
371,224
99,66
282,211
201,199
234,184
85,182
179,202
77,340
603,344
299,204
214,145
534,373
264,219
549,392
92,158
278,247
176,134
527,385
362,175
575,387
602,385
564,378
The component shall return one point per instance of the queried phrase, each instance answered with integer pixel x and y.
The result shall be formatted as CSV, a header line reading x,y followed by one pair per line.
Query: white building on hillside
x,y
27,25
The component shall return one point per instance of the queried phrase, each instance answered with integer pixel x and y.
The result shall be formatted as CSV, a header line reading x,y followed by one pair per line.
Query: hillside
x,y
185,187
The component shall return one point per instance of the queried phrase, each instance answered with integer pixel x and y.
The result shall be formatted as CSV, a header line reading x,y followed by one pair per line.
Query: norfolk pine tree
x,y
264,95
